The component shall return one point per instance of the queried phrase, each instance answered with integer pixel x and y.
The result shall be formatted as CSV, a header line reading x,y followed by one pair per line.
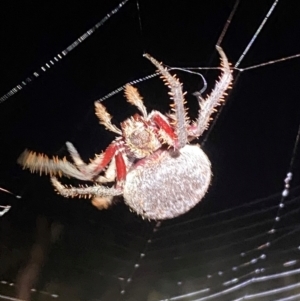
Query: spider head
x,y
139,136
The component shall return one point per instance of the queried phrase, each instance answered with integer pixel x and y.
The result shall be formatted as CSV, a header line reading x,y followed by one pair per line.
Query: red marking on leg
x,y
161,123
121,168
108,155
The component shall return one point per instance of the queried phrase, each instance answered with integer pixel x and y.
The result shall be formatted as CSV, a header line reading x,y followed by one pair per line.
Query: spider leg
x,y
82,191
109,175
87,169
97,165
54,166
105,118
208,105
133,97
166,132
121,169
43,164
179,117
102,196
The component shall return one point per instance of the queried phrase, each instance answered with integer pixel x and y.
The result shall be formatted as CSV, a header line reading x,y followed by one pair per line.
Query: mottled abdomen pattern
x,y
165,186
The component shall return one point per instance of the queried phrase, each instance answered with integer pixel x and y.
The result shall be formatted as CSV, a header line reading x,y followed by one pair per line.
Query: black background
x,y
250,146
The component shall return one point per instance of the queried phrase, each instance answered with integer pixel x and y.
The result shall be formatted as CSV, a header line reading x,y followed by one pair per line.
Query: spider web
x,y
249,250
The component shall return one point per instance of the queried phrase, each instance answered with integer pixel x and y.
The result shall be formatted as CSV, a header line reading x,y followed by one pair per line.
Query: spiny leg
x,y
43,164
109,175
179,117
166,132
84,191
133,97
93,169
102,196
97,165
105,118
208,105
87,169
54,166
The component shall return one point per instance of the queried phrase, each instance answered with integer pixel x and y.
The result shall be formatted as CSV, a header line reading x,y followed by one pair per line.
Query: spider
x,y
150,162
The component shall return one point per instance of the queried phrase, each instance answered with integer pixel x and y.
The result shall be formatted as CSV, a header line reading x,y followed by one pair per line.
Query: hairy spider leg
x,y
121,168
166,131
179,116
209,104
53,166
133,97
105,118
92,170
87,172
102,195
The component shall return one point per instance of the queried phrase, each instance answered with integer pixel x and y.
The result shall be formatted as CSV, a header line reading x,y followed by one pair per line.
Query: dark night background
x,y
86,254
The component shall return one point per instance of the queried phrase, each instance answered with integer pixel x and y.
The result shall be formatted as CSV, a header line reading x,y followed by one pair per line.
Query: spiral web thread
x,y
266,226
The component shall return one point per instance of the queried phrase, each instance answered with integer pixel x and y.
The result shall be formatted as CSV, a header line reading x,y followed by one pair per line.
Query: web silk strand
x,y
44,68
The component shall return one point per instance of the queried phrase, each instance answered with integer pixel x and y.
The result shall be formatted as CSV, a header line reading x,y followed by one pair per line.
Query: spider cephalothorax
x,y
151,162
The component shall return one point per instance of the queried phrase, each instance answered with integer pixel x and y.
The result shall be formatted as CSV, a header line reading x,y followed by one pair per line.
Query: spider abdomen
x,y
163,186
